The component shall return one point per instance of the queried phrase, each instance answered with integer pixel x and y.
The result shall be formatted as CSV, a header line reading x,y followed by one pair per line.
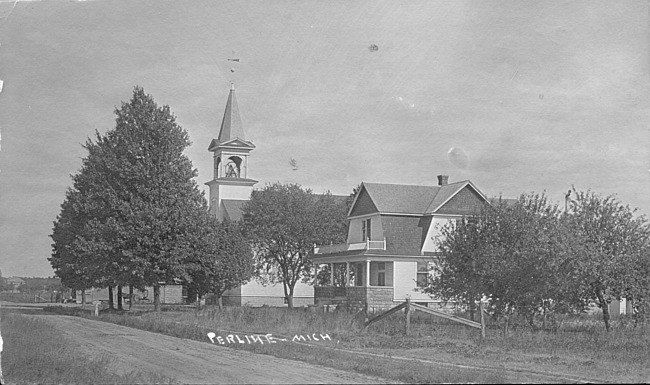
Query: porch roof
x,y
362,255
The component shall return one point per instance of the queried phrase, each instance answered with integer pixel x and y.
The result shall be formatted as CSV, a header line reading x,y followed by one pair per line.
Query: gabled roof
x,y
412,199
232,209
398,198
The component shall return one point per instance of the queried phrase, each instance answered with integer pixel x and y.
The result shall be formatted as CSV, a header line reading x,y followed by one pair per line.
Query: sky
x,y
514,96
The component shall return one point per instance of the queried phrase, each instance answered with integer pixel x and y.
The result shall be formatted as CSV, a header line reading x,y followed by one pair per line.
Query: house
x,y
391,245
13,283
230,188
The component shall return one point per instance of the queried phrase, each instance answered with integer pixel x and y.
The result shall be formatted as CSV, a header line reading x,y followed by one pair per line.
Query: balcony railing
x,y
367,245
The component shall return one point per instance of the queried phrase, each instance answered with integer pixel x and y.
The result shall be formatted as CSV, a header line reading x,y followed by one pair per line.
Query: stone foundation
x,y
355,297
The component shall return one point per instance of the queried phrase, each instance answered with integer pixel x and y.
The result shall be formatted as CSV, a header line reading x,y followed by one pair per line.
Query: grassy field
x,y
34,353
578,349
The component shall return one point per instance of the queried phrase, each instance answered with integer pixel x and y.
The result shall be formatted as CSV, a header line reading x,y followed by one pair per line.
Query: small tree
x,y
224,261
618,243
283,223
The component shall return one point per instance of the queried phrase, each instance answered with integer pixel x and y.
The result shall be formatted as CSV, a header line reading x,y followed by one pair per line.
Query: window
x,y
365,229
381,274
423,274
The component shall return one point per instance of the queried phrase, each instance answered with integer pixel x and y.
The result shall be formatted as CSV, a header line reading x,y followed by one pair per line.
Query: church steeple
x,y
230,153
231,126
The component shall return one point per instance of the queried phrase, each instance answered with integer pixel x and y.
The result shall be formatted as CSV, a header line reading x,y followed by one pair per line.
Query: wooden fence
x,y
409,307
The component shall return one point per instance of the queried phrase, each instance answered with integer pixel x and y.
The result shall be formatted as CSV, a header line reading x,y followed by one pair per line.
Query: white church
x,y
230,187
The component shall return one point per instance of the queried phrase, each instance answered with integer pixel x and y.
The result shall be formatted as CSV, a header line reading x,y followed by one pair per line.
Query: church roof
x,y
232,209
231,126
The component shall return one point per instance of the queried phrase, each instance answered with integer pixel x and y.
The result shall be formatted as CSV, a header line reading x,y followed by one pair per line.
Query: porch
x,y
362,284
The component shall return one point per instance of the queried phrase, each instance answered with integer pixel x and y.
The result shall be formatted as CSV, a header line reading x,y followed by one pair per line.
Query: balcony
x,y
367,245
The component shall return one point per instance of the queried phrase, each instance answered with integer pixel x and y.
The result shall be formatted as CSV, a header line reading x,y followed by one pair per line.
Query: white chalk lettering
x,y
259,338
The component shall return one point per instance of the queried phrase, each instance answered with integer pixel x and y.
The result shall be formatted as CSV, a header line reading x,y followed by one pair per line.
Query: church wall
x,y
235,192
255,294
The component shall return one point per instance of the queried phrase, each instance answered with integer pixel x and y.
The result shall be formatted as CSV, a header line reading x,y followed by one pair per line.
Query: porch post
x,y
332,274
367,273
347,273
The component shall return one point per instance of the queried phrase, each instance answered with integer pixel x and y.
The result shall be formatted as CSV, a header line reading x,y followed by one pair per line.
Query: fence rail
x,y
409,307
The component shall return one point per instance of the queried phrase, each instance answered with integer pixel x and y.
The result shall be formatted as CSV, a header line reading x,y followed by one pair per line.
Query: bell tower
x,y
230,182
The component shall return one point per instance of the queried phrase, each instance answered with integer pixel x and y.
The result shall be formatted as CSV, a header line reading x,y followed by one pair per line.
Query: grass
x,y
34,352
578,346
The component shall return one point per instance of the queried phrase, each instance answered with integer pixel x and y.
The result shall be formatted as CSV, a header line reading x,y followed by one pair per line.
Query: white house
x,y
390,245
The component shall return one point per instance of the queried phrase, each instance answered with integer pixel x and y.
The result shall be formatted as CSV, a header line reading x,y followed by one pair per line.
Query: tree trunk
x,y
130,297
220,302
605,306
156,297
119,298
83,298
288,294
111,305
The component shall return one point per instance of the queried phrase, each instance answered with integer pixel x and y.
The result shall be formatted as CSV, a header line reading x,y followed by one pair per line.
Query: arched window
x,y
232,167
216,167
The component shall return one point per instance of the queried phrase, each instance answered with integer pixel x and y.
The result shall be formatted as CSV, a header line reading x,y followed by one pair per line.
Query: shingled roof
x,y
232,209
412,199
231,126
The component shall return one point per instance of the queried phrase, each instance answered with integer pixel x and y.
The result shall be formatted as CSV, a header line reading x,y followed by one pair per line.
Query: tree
x,y
283,222
71,260
617,263
224,261
514,255
134,204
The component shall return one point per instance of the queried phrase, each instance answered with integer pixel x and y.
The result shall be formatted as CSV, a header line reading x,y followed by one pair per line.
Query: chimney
x,y
442,180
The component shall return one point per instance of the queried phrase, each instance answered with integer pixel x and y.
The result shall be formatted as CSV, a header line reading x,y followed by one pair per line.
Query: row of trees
x,y
135,217
531,257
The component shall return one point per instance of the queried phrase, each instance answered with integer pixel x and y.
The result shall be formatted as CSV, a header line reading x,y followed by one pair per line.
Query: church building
x,y
230,188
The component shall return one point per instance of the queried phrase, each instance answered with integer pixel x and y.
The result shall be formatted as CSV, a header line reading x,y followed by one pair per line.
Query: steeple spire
x,y
231,126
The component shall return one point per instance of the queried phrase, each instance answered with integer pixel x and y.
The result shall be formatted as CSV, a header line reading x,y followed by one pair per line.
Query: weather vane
x,y
232,69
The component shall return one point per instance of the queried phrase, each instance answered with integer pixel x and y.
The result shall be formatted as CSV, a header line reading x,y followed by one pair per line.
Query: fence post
x,y
480,309
407,310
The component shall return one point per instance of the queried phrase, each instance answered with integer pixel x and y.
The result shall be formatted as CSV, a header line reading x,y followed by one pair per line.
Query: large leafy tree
x,y
618,241
283,222
133,205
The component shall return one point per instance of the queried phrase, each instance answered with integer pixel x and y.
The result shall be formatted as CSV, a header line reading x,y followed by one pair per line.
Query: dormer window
x,y
366,230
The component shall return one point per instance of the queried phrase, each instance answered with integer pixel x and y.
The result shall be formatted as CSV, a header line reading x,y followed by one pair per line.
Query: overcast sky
x,y
514,96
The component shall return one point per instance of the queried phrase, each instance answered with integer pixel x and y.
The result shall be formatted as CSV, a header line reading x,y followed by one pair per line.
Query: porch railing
x,y
367,245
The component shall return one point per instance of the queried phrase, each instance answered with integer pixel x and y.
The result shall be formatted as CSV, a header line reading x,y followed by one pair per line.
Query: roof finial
x,y
232,86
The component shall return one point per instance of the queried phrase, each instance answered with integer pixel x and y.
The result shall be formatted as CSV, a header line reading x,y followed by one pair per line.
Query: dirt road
x,y
191,362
